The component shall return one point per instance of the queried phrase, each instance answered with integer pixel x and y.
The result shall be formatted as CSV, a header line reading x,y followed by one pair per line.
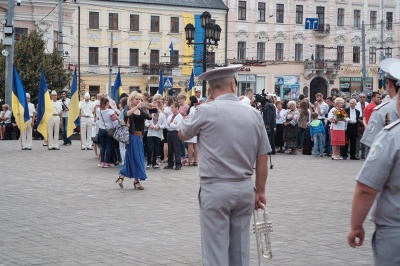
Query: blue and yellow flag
x,y
19,102
44,108
116,91
73,116
190,89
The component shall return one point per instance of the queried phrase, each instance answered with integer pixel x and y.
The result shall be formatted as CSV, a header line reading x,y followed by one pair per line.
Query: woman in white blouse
x,y
192,143
280,118
5,120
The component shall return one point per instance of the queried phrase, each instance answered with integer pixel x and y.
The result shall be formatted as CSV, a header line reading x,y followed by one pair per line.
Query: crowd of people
x,y
332,127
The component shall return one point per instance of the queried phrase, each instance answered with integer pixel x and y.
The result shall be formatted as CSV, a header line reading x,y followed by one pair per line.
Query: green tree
x,y
30,58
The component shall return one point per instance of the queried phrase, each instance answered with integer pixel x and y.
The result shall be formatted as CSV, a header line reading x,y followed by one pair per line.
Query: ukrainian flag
x,y
117,88
45,108
19,102
190,89
73,116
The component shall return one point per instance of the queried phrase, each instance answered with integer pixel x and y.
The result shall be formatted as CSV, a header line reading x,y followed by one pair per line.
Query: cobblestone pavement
x,y
59,208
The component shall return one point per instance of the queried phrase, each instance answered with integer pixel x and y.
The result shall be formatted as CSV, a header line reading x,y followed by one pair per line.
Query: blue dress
x,y
134,157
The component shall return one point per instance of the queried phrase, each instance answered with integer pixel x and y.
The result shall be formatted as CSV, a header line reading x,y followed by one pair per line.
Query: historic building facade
x,y
286,52
146,36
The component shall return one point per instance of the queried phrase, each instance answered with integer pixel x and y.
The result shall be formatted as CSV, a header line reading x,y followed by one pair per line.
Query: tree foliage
x,y
30,58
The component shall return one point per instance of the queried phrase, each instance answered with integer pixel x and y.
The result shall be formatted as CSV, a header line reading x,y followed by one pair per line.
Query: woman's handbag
x,y
95,139
121,133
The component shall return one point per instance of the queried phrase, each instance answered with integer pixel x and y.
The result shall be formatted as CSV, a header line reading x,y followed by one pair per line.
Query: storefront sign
x,y
246,78
358,70
288,87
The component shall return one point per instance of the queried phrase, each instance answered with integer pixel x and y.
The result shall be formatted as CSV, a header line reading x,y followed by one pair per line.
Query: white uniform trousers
x,y
86,132
54,131
26,135
225,214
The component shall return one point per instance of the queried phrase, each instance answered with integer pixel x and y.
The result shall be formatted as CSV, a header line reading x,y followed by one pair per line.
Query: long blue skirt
x,y
134,159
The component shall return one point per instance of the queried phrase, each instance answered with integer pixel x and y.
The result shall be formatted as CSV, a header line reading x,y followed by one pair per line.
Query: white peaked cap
x,y
53,92
220,73
28,95
87,95
394,70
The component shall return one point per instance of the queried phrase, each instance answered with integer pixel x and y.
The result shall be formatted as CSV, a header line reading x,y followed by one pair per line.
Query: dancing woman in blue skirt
x,y
134,158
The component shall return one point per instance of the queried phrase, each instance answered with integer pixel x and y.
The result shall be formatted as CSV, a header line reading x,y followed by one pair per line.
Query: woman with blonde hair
x,y
337,117
291,127
134,158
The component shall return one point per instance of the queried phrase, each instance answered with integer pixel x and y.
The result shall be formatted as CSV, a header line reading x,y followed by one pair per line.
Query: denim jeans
x,y
64,131
319,143
106,146
153,146
300,134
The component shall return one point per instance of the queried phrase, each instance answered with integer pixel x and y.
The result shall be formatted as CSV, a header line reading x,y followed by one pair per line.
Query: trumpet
x,y
262,228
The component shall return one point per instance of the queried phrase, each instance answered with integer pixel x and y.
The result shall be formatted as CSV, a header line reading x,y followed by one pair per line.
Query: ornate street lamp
x,y
212,35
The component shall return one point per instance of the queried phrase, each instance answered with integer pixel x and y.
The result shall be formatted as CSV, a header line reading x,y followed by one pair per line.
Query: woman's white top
x,y
104,119
189,117
280,116
6,114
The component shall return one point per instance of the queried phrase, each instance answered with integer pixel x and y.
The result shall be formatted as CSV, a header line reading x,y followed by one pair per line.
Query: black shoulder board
x,y
392,125
380,106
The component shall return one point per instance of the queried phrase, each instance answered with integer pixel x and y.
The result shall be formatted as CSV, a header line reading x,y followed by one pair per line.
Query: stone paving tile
x,y
59,208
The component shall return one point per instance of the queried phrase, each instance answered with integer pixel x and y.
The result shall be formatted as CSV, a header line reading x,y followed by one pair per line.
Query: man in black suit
x,y
351,131
269,117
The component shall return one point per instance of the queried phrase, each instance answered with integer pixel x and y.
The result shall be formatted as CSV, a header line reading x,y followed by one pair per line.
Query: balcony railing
x,y
325,65
323,30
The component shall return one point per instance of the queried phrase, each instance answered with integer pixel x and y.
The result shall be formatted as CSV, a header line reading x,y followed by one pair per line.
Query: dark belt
x,y
137,133
85,116
172,131
216,179
56,115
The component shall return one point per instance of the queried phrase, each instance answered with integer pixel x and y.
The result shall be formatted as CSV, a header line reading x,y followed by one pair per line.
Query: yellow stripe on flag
x,y
43,126
18,112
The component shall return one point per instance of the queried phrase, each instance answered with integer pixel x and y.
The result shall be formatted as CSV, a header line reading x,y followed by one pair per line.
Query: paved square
x,y
59,208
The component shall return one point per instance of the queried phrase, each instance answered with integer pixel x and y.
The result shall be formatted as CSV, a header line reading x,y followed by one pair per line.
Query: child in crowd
x,y
317,134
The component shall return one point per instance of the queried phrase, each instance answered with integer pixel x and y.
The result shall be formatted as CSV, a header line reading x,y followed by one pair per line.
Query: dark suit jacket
x,y
352,127
269,115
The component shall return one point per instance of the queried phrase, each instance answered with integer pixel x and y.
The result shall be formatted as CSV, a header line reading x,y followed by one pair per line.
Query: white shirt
x,y
174,126
104,118
280,116
6,114
57,108
167,111
161,122
352,116
246,100
31,108
358,107
324,110
87,108
64,104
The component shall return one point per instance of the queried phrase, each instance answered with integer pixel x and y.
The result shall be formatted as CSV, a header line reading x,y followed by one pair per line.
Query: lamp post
x,y
212,35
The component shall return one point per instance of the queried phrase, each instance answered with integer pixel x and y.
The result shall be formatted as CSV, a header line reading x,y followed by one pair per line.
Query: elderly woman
x,y
337,117
290,132
5,120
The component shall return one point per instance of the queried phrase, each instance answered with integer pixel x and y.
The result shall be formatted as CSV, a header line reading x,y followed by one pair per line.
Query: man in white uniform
x,y
54,122
378,193
87,109
231,139
26,135
248,96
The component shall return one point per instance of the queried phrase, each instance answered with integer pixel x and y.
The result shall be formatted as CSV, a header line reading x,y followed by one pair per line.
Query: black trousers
x,y
271,138
351,135
153,146
174,149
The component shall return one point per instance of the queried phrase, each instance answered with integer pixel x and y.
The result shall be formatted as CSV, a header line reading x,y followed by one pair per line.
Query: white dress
x,y
188,118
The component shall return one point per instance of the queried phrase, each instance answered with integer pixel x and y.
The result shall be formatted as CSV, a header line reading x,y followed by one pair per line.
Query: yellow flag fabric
x,y
44,108
73,114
